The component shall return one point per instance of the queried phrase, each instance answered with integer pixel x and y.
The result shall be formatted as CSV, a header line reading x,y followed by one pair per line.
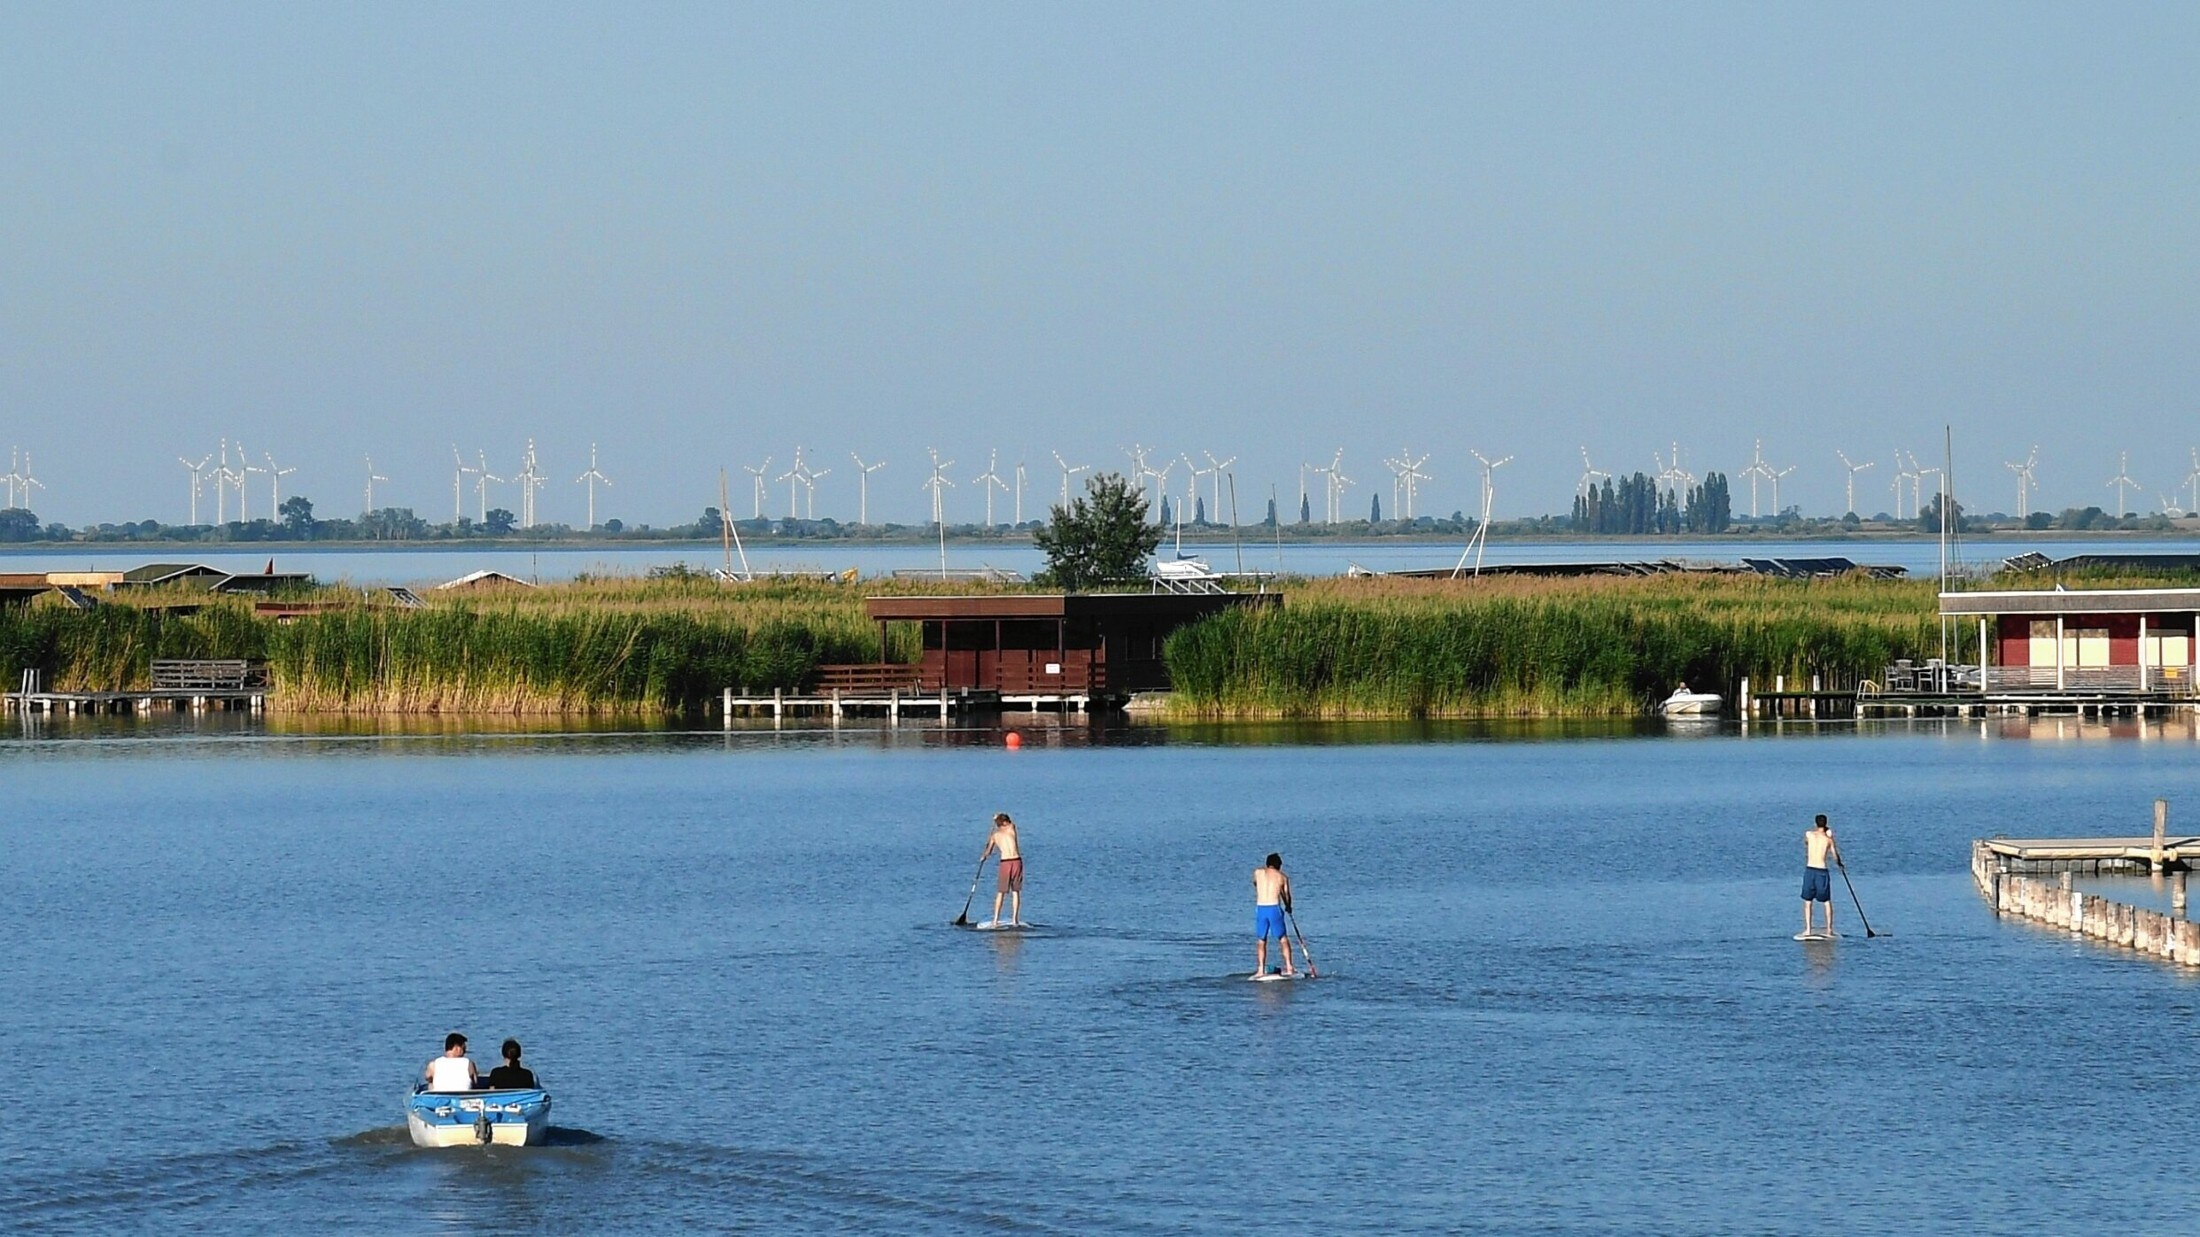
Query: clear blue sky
x,y
703,234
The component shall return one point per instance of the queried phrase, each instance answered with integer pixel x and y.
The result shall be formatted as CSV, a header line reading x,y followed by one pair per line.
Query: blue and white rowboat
x,y
472,1118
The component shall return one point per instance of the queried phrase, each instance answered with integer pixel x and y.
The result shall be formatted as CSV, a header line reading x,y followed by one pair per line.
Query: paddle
x,y
1304,952
1852,895
963,920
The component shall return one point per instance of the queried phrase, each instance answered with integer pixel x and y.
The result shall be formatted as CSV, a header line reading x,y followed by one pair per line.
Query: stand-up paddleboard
x,y
1818,936
995,925
1274,976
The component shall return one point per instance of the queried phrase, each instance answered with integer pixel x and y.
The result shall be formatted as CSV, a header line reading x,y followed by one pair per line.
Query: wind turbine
x,y
1489,489
863,486
1068,470
592,478
222,477
810,478
1337,482
1160,481
938,483
1413,477
793,477
988,481
275,477
1319,471
529,478
28,483
2122,480
1191,485
244,475
756,475
1481,538
1776,475
2193,479
2024,479
372,477
1019,493
1853,470
1215,468
197,471
1397,469
1758,468
483,479
1918,473
1911,475
458,479
1589,473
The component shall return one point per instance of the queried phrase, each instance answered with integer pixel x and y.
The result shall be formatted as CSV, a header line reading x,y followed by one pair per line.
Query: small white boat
x,y
1685,703
511,1118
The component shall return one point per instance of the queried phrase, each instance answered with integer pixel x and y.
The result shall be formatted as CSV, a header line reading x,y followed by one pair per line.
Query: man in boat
x,y
1271,902
1011,877
1818,849
453,1071
511,1076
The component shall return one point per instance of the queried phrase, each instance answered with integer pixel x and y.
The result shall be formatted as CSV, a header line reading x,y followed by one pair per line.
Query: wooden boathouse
x,y
1019,650
2124,646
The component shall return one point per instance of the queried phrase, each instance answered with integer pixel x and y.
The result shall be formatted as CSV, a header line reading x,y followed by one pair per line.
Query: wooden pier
x,y
893,704
2034,878
179,686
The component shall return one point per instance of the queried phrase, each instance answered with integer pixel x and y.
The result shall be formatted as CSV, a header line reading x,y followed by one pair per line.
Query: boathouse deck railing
x,y
2162,680
870,678
207,674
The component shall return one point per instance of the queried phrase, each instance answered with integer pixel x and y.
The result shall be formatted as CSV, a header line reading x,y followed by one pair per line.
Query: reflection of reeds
x,y
1512,646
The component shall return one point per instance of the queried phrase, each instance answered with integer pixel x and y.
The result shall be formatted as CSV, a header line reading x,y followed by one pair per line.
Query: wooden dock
x,y
179,686
892,704
2034,878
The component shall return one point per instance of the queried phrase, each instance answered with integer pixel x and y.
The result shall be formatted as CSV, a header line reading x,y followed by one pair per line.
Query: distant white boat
x,y
1685,703
513,1118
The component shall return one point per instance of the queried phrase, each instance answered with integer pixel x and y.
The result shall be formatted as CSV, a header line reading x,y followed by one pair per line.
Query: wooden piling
x,y
2161,829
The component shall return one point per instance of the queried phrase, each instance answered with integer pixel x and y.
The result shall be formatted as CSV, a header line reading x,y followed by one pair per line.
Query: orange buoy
x,y
1014,740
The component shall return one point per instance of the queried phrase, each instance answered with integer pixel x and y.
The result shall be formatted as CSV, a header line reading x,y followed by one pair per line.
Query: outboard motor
x,y
484,1133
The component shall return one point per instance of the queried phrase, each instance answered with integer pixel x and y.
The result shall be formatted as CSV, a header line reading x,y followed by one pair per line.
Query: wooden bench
x,y
171,674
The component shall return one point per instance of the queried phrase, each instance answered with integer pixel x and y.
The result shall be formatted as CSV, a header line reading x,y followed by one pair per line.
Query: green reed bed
x,y
1526,648
598,647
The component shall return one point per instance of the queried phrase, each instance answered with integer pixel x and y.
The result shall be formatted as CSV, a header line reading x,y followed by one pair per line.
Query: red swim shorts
x,y
1012,876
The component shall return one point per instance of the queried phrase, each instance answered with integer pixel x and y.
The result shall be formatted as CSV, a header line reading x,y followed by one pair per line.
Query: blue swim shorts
x,y
1817,885
1268,922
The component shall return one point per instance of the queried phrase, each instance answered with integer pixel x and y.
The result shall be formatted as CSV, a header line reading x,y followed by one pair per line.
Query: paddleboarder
x,y
1010,884
1818,848
1271,901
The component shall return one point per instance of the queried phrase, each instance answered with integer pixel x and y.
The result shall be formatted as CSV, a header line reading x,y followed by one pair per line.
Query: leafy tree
x,y
1306,509
1100,536
297,515
498,523
1167,518
1928,520
1374,508
1271,520
18,524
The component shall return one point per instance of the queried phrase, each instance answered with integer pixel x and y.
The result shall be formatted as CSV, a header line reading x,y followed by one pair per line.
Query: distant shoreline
x,y
157,550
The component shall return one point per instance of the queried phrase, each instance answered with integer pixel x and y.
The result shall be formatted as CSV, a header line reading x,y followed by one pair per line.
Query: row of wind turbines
x,y
230,472
18,479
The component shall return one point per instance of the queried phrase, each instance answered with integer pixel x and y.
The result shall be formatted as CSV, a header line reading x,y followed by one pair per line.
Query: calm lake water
x,y
1558,992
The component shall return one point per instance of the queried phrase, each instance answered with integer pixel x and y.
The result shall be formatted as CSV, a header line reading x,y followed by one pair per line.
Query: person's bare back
x,y
1270,887
1004,840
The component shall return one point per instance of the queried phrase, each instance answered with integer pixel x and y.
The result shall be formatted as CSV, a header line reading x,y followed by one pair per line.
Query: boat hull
x,y
1695,704
475,1118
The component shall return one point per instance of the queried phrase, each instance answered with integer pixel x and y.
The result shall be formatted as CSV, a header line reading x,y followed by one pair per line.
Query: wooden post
x,y
1744,709
2142,652
836,706
779,702
2161,830
1982,655
893,705
2058,652
2177,893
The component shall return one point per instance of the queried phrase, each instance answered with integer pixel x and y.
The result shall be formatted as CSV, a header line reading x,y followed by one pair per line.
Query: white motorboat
x,y
1685,703
511,1118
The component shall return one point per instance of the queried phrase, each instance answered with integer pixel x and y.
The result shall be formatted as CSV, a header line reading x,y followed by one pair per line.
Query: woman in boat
x,y
511,1076
453,1071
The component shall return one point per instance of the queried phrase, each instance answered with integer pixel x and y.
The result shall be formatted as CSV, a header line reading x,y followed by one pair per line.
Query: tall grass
x,y
1518,647
598,647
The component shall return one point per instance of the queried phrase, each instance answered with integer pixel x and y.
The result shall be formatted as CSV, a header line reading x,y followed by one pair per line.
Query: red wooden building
x,y
1038,646
2083,641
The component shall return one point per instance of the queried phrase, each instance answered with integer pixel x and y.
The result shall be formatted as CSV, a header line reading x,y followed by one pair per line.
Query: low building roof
x,y
485,578
2073,601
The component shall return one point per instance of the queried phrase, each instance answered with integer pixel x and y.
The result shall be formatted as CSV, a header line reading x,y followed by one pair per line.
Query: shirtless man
x,y
1818,848
1011,882
454,1070
1271,901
